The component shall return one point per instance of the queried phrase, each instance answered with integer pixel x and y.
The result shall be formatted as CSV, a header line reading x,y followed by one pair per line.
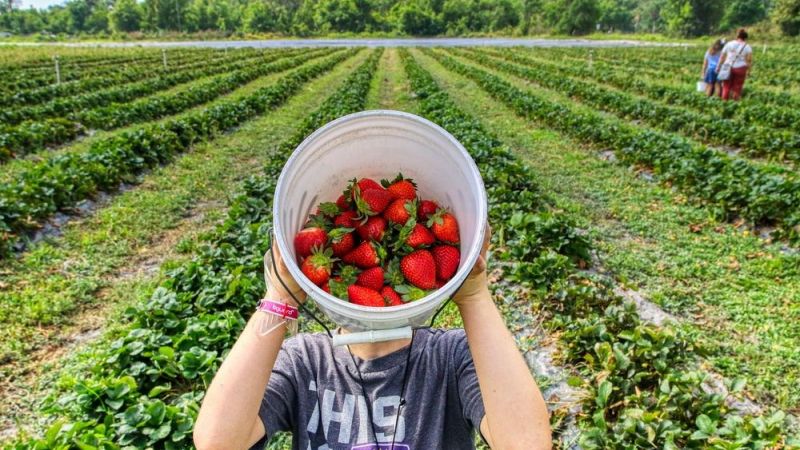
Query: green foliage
x,y
126,16
786,14
416,19
743,12
692,17
573,16
266,16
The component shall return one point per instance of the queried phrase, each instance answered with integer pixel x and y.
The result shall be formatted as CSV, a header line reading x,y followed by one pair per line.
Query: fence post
x,y
164,57
58,69
591,59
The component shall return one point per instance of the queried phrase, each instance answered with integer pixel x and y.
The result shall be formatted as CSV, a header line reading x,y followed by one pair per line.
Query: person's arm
x,y
228,418
721,60
516,414
749,60
705,66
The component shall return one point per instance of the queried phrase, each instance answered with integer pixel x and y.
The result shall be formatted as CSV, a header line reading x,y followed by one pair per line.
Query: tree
x,y
572,16
416,19
339,15
8,6
786,14
692,17
743,12
616,15
126,16
647,16
265,16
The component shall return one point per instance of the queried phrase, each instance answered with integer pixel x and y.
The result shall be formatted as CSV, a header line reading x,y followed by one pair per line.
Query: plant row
x,y
127,92
645,388
35,96
753,139
35,135
24,80
733,185
90,60
65,179
143,389
752,112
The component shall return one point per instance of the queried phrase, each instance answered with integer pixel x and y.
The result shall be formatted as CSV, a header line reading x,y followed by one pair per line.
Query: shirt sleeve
x,y
279,404
469,390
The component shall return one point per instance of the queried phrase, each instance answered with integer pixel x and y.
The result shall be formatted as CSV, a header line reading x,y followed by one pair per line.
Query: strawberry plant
x,y
66,179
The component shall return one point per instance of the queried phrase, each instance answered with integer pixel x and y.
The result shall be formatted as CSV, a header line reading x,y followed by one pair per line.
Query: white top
x,y
733,48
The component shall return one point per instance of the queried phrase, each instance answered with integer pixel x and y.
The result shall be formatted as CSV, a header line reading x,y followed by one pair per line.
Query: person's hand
x,y
476,286
275,289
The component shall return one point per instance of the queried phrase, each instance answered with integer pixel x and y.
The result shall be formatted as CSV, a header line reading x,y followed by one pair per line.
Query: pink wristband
x,y
278,309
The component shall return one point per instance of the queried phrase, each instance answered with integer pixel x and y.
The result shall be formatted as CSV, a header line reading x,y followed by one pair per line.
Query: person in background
x,y
709,74
740,54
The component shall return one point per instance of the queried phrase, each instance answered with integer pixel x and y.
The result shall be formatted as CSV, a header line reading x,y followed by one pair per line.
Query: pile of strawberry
x,y
379,244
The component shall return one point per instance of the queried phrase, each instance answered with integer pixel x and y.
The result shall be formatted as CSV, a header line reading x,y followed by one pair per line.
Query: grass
x,y
84,269
738,294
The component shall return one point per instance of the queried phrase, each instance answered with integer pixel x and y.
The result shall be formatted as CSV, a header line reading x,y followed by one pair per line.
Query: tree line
x,y
405,17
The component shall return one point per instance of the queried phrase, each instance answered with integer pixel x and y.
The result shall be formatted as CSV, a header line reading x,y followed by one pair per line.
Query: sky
x,y
25,4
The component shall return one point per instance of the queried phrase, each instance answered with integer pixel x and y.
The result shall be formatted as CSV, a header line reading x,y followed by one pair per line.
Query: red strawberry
x,y
346,219
342,241
444,227
342,203
371,278
373,229
365,296
447,258
391,297
326,287
426,209
363,256
372,201
420,236
401,188
367,183
317,267
419,268
440,284
307,239
400,210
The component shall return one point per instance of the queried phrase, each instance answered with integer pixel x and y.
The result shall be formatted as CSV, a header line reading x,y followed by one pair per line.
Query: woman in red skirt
x,y
740,56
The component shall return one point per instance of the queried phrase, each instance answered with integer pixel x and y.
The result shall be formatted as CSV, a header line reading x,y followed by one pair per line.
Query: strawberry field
x,y
644,248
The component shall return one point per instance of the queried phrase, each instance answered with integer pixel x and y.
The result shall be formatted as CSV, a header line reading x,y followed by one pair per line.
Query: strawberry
x,y
372,229
447,258
363,296
342,240
444,226
317,267
367,183
391,297
326,287
371,278
400,210
440,283
346,219
343,203
419,268
420,236
426,209
401,187
372,201
309,238
366,255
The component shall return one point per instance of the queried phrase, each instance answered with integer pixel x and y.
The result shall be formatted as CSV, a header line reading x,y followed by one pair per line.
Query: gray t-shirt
x,y
443,400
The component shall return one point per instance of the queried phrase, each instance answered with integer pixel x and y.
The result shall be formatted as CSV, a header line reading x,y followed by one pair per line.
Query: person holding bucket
x,y
734,65
456,381
709,72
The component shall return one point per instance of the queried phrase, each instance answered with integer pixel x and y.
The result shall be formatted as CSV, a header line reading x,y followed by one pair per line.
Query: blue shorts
x,y
711,75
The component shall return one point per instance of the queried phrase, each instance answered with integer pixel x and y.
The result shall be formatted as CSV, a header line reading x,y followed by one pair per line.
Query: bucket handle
x,y
372,336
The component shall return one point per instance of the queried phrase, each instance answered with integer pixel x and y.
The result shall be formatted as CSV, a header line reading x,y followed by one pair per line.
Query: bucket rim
x,y
374,313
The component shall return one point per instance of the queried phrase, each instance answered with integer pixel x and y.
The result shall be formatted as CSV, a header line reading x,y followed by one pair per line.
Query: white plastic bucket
x,y
701,86
378,144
